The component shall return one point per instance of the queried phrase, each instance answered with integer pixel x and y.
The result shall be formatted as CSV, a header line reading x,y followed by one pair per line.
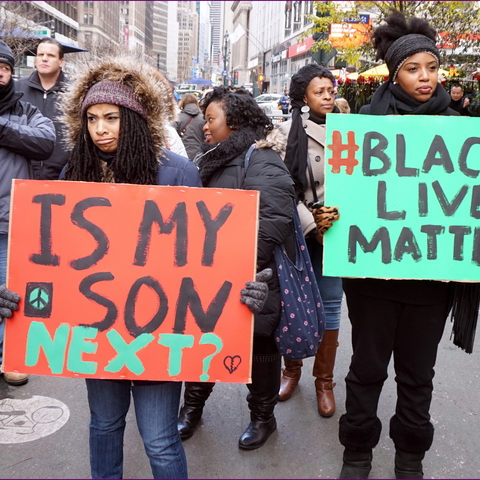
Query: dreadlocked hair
x,y
241,110
135,160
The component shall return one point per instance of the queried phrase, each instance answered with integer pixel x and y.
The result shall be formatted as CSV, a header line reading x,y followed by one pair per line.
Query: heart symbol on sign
x,y
232,363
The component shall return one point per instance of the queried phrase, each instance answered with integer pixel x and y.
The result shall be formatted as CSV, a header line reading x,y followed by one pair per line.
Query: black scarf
x,y
297,148
8,96
214,157
391,99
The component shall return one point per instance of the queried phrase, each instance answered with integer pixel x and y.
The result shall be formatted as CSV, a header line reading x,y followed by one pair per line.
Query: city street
x,y
304,446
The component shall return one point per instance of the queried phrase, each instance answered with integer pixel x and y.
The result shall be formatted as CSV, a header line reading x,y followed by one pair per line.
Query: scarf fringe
x,y
465,305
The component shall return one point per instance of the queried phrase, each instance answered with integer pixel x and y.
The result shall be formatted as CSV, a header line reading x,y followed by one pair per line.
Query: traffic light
x,y
52,29
260,78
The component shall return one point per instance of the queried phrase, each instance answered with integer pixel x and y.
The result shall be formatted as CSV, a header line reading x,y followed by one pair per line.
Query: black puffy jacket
x,y
267,174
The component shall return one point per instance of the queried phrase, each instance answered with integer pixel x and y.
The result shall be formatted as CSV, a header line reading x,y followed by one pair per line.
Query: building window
x,y
288,18
85,18
90,19
297,15
308,11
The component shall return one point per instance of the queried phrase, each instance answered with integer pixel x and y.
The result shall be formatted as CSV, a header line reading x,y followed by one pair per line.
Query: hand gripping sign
x,y
131,282
408,191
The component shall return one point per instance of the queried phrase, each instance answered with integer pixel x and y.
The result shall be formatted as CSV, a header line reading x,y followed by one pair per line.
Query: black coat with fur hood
x,y
266,173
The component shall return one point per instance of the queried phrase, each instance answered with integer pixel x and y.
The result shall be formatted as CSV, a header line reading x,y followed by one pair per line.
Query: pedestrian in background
x,y
405,318
342,105
115,112
190,124
312,97
234,122
284,102
459,101
42,89
25,135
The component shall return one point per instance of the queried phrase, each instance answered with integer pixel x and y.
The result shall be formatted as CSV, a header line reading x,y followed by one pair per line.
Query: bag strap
x,y
182,133
312,179
248,155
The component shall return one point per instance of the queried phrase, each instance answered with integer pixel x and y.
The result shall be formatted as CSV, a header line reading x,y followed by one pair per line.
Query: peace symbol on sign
x,y
38,298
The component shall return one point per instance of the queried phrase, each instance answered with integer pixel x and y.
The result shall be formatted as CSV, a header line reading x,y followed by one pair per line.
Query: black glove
x,y
255,294
8,302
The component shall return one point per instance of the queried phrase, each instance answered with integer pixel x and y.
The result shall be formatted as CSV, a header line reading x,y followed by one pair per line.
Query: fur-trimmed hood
x,y
275,140
151,89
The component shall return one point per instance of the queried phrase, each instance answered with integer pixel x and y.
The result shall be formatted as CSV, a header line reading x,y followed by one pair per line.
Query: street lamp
x,y
226,57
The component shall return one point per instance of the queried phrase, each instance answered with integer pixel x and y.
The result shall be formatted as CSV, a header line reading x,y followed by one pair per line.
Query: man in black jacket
x,y
25,136
41,89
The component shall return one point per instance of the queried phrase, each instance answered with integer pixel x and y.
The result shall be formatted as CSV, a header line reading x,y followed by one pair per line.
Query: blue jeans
x,y
330,288
3,276
156,410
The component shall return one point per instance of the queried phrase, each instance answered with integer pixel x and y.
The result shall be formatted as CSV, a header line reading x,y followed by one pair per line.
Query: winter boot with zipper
x,y
290,377
262,398
323,371
195,396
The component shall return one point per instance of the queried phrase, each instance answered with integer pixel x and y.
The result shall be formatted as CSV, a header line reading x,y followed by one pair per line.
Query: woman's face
x,y
216,128
418,76
104,126
320,96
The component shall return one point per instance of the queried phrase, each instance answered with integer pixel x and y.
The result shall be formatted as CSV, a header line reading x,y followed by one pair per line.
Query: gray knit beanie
x,y
113,93
406,46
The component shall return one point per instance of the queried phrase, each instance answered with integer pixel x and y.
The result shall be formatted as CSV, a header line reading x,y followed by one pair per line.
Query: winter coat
x,y
268,174
155,96
316,154
46,102
173,170
193,136
25,135
152,91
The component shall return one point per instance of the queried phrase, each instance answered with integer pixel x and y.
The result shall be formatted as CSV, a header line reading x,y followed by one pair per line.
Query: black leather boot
x,y
262,398
408,464
356,464
195,396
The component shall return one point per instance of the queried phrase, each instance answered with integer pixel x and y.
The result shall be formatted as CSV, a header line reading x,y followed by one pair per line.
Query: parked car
x,y
268,102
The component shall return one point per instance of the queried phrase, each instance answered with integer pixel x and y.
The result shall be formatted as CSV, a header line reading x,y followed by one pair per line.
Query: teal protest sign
x,y
408,190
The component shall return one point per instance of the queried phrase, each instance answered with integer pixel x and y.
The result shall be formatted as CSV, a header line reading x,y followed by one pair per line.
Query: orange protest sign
x,y
131,282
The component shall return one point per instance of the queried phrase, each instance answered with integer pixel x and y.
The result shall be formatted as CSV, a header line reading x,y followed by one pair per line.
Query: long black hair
x,y
134,162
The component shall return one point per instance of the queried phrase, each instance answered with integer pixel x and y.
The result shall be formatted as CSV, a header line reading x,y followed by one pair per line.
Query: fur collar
x,y
152,90
275,140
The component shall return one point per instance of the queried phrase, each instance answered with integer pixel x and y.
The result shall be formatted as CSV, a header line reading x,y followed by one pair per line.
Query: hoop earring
x,y
305,112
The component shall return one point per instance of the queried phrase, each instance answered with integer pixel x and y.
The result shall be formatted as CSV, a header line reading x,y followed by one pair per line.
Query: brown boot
x,y
323,371
290,377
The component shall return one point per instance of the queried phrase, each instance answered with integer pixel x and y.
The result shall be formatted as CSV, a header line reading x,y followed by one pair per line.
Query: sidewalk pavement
x,y
305,446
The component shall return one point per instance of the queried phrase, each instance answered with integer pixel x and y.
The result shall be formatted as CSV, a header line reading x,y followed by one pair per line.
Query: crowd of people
x,y
118,122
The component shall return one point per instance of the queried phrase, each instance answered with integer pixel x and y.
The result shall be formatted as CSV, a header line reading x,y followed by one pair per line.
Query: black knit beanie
x,y
6,55
406,46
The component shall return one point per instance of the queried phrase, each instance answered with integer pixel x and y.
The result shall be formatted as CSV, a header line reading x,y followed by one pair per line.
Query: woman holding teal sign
x,y
403,317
